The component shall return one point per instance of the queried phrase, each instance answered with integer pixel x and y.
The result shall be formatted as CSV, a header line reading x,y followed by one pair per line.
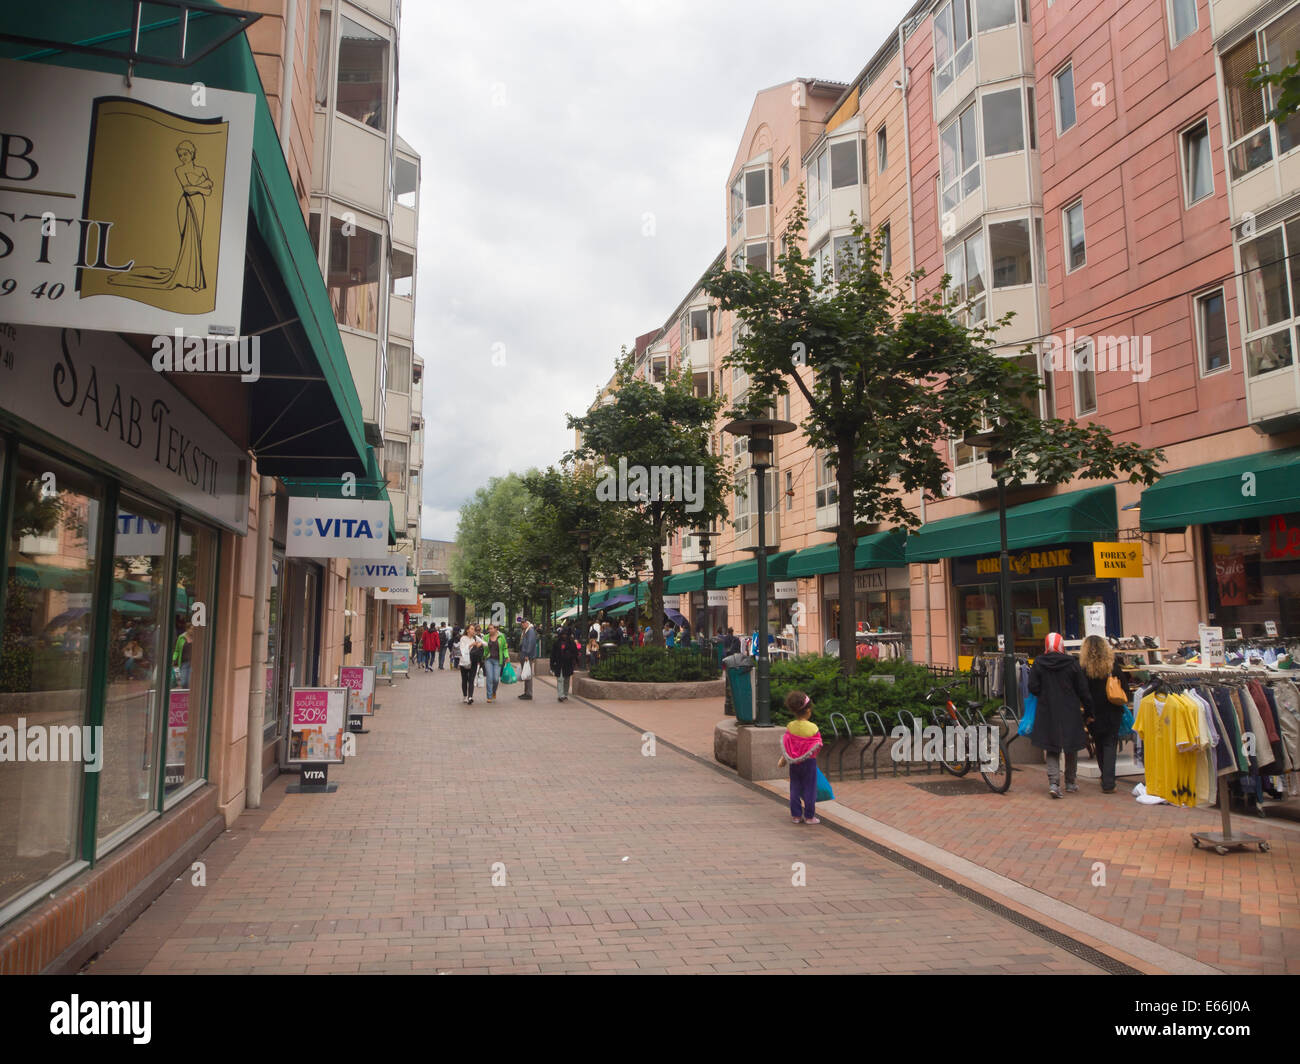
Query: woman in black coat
x,y
1063,702
1099,664
564,659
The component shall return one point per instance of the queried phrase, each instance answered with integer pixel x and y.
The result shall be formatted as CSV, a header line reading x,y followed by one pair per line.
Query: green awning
x,y
304,416
1077,516
1217,491
371,485
880,550
736,574
685,583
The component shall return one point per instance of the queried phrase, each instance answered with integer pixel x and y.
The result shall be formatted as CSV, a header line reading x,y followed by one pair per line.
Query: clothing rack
x,y
1224,840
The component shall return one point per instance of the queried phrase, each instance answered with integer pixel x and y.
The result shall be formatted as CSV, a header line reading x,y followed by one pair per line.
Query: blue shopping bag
x,y
508,673
824,792
1027,718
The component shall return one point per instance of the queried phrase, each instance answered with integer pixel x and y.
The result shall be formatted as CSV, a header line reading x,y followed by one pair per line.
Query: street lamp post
x,y
760,432
544,567
705,535
995,441
638,562
584,547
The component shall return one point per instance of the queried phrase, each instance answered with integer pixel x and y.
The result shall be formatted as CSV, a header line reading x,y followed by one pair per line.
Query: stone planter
x,y
600,690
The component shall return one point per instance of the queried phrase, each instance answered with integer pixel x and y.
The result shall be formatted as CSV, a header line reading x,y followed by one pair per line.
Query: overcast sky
x,y
549,132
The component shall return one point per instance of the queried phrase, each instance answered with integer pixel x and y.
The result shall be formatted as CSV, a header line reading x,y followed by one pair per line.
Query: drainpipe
x,y
911,265
286,74
261,622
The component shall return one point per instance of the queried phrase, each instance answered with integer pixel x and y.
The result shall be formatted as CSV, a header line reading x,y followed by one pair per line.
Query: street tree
x,y
889,380
649,445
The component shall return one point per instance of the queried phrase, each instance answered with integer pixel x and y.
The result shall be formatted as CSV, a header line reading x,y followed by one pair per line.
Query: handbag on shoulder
x,y
1115,692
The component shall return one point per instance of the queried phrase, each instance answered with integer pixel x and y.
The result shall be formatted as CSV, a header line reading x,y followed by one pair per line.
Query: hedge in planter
x,y
654,665
819,678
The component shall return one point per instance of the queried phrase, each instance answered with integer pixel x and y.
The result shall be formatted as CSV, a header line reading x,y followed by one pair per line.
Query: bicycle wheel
x,y
998,778
950,763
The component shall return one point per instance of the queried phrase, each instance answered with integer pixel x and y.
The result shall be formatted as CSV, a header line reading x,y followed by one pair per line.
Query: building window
x,y
1212,332
1009,253
959,159
1269,302
828,491
1198,172
701,325
882,150
787,410
844,164
1085,378
952,42
1076,251
1004,127
395,464
965,266
686,331
1251,135
1040,249
756,188
1182,19
845,250
1065,112
363,76
785,172
406,182
823,270
353,279
756,256
995,13
737,205
399,369
313,231
325,48
402,281
819,186
886,248
1032,111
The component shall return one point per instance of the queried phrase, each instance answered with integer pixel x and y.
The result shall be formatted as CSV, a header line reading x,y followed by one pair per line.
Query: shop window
x,y
1076,245
354,265
395,464
45,663
959,159
187,701
362,75
1063,82
1254,575
1009,253
844,164
399,369
1004,127
402,282
952,42
1212,332
1198,168
141,617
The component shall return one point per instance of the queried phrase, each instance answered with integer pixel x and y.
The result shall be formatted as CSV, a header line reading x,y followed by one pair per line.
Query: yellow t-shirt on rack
x,y
1171,737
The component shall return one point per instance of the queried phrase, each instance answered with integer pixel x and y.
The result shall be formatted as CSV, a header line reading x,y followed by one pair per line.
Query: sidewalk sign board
x,y
383,665
360,683
316,722
402,659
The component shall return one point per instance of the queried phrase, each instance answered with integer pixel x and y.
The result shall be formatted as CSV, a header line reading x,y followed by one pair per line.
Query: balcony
x,y
748,538
401,315
991,54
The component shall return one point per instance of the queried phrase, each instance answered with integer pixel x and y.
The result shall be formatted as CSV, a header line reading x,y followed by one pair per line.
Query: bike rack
x,y
908,721
873,748
840,747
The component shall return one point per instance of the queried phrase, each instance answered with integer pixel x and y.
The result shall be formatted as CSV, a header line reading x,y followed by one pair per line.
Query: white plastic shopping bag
x,y
526,673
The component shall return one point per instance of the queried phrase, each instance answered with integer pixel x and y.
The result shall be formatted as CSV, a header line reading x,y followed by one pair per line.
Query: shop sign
x,y
717,598
1281,539
785,589
316,720
1073,559
894,579
338,528
378,573
123,205
401,591
1117,560
1094,619
140,537
1212,652
94,392
359,680
672,602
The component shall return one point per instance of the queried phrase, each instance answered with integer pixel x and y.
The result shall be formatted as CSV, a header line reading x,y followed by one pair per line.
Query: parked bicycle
x,y
996,772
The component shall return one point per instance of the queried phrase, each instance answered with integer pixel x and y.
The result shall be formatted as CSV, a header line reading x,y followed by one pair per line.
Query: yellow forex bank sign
x,y
1117,559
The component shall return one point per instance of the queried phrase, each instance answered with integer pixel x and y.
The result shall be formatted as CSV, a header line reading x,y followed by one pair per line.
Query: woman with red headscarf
x,y
1064,700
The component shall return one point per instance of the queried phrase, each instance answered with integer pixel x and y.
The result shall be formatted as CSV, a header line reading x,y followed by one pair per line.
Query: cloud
x,y
548,132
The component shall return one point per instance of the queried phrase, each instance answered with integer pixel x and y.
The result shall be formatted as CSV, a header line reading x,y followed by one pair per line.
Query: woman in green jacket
x,y
494,658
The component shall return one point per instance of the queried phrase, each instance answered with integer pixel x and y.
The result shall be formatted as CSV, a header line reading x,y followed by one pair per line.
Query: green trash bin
x,y
742,698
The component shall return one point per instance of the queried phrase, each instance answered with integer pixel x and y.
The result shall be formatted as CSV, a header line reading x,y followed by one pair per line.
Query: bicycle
x,y
997,777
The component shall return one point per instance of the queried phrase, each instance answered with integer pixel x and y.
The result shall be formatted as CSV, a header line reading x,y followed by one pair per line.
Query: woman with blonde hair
x,y
1100,666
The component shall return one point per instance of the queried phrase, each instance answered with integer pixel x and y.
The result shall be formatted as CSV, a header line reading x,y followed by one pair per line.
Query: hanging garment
x,y
1287,696
1170,730
1257,727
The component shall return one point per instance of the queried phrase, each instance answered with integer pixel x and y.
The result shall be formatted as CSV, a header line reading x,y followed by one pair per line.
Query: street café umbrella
x,y
674,616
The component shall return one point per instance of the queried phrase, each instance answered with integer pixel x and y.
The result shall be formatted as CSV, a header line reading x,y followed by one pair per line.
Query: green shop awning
x,y
685,583
1077,516
371,485
880,550
735,574
1217,491
303,417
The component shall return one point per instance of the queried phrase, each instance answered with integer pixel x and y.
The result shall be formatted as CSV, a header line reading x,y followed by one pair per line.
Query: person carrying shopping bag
x,y
529,644
1063,702
494,659
468,655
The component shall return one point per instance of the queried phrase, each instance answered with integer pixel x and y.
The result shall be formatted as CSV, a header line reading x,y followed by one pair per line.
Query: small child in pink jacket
x,y
800,743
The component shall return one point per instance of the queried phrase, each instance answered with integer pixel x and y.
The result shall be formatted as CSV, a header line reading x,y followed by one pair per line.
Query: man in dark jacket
x,y
528,646
564,659
1063,702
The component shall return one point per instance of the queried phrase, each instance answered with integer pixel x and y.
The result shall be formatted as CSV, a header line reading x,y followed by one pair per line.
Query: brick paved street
x,y
614,862
1237,913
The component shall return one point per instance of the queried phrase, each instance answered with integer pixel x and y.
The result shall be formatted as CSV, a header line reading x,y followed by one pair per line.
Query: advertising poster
x,y
383,665
1230,575
178,726
401,659
359,680
317,716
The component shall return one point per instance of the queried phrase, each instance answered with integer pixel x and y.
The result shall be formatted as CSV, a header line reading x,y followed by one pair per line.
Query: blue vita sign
x,y
337,528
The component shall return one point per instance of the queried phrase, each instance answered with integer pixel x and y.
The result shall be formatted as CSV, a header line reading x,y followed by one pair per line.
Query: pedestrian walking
x,y
1108,685
469,655
494,659
430,642
799,746
1063,702
453,646
444,637
564,659
529,644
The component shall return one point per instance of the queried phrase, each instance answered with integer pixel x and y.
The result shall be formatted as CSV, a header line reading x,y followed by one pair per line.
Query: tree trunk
x,y
846,542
